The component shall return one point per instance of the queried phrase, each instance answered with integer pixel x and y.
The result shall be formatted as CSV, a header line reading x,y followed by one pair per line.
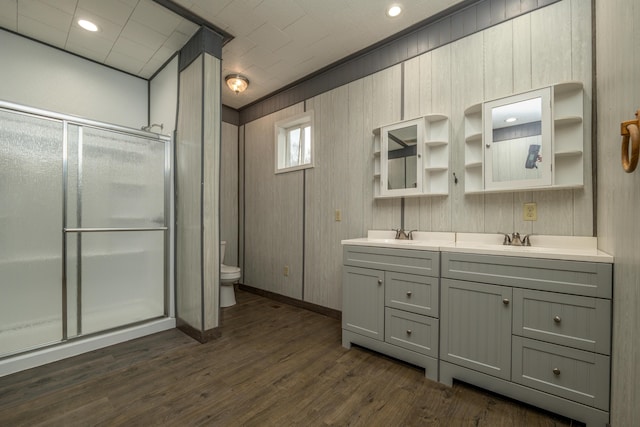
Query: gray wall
x,y
37,75
229,192
547,46
618,68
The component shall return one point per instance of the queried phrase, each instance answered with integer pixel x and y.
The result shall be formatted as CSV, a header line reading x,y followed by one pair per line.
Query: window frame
x,y
282,141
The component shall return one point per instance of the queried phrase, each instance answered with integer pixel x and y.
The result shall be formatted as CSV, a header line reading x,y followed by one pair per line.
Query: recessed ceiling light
x,y
394,11
88,25
510,120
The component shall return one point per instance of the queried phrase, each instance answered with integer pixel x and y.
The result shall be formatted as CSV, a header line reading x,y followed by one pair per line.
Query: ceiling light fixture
x,y
237,83
394,11
510,120
88,25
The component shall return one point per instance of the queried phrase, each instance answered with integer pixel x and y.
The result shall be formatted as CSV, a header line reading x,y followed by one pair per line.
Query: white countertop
x,y
571,248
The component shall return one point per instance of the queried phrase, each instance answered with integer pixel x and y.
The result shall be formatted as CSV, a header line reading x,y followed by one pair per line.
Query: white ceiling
x,y
276,42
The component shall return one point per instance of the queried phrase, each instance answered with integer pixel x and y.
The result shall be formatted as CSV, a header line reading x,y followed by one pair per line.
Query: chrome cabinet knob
x,y
556,371
557,319
505,301
409,294
408,331
379,281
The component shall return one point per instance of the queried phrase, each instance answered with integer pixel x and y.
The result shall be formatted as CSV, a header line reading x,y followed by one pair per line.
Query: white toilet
x,y
228,276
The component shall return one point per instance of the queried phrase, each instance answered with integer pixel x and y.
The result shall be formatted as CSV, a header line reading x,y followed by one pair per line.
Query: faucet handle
x,y
410,234
507,239
526,241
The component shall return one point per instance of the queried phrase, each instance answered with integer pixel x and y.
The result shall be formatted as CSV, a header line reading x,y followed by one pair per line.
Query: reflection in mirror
x,y
402,158
517,141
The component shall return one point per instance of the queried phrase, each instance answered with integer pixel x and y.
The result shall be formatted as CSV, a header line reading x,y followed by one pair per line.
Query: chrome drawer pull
x,y
379,281
557,319
408,331
409,294
505,301
556,371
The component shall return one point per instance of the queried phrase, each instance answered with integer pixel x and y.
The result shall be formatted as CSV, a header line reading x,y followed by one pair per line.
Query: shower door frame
x,y
66,121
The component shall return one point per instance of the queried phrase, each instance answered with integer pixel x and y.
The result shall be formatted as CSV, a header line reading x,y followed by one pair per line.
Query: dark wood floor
x,y
275,365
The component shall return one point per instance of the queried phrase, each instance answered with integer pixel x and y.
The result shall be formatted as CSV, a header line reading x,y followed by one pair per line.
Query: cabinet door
x,y
475,320
363,302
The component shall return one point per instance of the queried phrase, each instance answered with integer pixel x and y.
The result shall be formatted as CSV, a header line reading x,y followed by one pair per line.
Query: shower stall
x,y
84,229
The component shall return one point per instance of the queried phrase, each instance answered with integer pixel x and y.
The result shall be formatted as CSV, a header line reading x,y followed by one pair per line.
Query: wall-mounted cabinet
x,y
533,140
411,158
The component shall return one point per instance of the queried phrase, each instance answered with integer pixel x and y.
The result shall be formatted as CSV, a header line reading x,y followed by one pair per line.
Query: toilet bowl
x,y
228,276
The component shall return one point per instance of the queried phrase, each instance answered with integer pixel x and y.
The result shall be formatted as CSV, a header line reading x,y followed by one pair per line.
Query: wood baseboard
x,y
200,336
329,312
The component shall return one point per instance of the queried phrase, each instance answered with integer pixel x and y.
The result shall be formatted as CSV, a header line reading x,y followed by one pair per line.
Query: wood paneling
x,y
273,212
326,192
467,212
618,34
274,365
382,95
229,176
496,62
188,198
211,191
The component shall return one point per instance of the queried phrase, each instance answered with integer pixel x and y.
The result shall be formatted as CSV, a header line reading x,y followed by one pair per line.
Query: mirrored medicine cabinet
x,y
531,140
412,157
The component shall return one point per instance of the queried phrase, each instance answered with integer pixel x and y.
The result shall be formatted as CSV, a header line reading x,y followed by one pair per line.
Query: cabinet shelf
x,y
568,153
567,120
436,143
436,168
471,165
475,137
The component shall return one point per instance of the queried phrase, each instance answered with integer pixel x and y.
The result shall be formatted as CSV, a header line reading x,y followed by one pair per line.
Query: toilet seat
x,y
229,273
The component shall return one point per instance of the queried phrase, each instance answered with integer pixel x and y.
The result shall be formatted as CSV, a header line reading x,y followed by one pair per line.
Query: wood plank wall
x,y
273,212
211,192
188,203
547,46
618,97
229,215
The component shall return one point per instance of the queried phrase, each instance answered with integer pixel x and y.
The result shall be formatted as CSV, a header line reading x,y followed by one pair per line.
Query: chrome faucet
x,y
404,235
515,240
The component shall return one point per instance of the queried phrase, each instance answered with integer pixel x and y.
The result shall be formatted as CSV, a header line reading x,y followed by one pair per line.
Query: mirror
x,y
518,141
401,158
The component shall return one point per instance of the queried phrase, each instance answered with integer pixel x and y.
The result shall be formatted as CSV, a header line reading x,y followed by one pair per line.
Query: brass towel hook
x,y
630,130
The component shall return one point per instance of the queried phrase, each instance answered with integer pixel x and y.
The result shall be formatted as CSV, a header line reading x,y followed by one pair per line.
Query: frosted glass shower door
x,y
116,235
30,231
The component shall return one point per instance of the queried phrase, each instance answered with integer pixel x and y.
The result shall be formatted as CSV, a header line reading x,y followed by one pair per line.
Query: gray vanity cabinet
x,y
476,326
360,305
537,330
391,303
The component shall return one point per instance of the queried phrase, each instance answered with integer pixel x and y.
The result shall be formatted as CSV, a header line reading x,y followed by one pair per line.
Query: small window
x,y
294,143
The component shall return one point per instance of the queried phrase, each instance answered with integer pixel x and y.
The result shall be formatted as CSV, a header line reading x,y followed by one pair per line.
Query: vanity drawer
x,y
411,331
590,279
574,321
566,372
426,263
410,292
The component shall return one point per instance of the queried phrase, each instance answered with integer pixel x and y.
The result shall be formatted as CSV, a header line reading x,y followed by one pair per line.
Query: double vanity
x,y
529,322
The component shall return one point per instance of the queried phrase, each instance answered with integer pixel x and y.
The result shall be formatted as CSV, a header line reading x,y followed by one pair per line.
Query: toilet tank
x,y
223,244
